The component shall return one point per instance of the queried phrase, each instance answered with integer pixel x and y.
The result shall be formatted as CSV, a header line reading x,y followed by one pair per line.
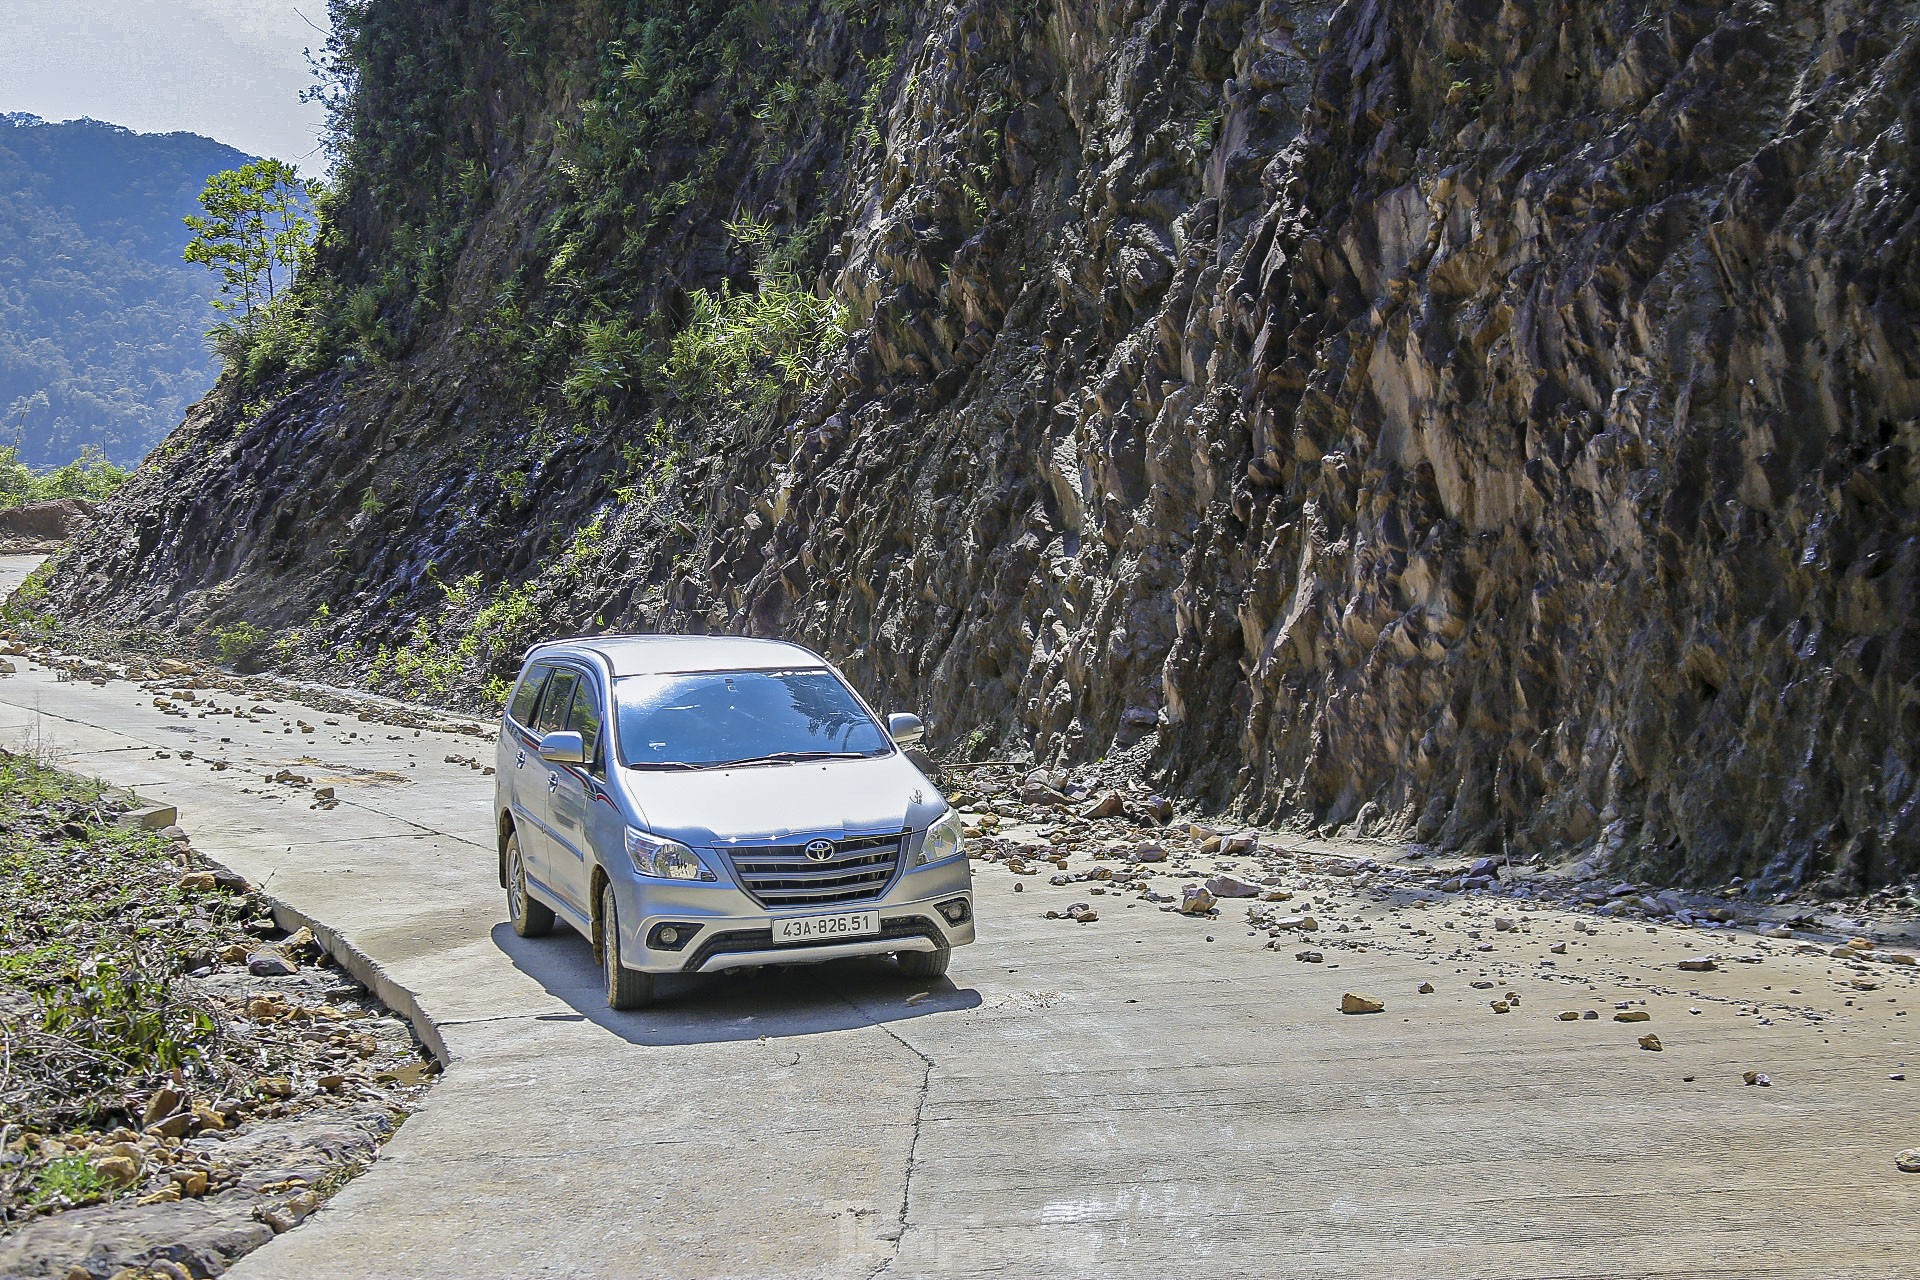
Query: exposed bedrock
x,y
1492,424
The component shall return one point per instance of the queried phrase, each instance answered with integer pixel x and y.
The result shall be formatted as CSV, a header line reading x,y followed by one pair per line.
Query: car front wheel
x,y
925,964
626,988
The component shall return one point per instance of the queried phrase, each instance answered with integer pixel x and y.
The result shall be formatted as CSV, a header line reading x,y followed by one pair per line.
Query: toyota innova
x,y
698,803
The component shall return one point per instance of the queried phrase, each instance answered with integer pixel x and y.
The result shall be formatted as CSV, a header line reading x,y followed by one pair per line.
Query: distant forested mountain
x,y
102,324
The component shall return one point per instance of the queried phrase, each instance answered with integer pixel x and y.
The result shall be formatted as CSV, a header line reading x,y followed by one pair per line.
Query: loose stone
x,y
1232,887
270,964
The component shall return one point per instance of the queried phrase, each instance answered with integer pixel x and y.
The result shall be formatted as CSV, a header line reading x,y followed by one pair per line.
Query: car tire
x,y
529,917
925,964
626,988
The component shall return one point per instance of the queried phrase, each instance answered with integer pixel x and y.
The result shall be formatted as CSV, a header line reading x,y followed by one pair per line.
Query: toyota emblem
x,y
820,850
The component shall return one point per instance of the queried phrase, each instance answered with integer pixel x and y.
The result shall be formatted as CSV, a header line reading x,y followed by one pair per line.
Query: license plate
x,y
859,924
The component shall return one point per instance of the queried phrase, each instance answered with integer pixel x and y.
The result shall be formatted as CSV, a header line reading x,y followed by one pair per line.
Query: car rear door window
x,y
557,702
526,699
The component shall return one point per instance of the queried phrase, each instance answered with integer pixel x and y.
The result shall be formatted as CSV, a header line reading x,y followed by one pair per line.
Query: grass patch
x,y
119,1012
68,1180
26,607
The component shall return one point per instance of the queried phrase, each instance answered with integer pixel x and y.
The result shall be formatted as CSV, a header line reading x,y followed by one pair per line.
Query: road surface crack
x,y
913,1141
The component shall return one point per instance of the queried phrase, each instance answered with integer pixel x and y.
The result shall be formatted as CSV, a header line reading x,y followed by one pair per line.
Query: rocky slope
x,y
1492,424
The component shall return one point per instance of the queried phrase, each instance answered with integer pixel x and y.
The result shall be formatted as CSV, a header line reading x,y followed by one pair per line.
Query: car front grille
x,y
783,876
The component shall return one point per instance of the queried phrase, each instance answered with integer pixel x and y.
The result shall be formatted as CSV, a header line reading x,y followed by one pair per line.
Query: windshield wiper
x,y
664,764
788,757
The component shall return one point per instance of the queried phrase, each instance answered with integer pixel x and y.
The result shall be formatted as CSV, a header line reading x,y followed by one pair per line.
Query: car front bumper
x,y
732,931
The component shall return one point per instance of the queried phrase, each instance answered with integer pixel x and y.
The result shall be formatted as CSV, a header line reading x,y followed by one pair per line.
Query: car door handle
x,y
521,762
553,782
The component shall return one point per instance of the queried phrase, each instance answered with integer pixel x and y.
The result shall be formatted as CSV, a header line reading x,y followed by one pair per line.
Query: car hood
x,y
772,802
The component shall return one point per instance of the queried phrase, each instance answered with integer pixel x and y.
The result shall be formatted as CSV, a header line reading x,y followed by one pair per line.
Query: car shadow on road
x,y
796,1000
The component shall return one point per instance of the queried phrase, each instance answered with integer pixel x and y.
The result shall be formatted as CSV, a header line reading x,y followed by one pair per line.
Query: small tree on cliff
x,y
256,233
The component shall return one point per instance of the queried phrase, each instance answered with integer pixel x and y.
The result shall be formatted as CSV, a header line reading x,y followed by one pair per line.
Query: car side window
x,y
585,720
526,699
557,702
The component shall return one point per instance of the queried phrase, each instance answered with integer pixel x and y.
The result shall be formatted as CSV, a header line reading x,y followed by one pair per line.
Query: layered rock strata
x,y
1490,424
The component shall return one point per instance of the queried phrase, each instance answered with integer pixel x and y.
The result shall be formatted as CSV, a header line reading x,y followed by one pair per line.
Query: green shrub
x,y
239,642
423,666
362,321
24,607
612,358
744,349
126,1014
90,476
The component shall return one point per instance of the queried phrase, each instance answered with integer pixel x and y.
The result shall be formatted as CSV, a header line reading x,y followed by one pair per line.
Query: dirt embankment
x,y
183,1079
40,527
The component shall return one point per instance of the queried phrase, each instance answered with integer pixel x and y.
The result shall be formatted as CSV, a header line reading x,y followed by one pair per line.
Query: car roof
x,y
656,655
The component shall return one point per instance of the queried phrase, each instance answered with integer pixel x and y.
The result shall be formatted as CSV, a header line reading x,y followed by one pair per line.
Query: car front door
x,y
542,778
576,791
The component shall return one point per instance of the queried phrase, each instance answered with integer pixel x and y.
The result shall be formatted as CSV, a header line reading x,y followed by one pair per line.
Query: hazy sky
x,y
230,69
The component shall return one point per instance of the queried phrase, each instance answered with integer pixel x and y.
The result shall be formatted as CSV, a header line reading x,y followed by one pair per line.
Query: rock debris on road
x,y
1097,1091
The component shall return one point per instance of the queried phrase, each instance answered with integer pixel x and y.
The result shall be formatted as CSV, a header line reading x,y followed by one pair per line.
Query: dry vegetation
x,y
165,1042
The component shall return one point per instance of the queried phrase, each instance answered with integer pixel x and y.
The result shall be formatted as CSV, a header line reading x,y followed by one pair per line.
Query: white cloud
x,y
266,23
230,69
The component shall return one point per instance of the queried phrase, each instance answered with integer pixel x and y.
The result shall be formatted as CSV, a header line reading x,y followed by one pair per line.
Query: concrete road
x,y
14,571
1146,1096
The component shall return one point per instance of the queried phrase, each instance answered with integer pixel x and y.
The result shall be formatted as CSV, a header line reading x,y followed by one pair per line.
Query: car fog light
x,y
672,936
955,911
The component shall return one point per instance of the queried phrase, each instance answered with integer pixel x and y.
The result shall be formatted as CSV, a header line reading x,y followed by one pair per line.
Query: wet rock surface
x,y
1487,425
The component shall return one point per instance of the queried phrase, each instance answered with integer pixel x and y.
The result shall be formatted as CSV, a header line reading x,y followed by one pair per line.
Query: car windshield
x,y
702,720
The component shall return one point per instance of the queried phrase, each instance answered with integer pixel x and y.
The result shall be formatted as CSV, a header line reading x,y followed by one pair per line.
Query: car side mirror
x,y
905,730
563,748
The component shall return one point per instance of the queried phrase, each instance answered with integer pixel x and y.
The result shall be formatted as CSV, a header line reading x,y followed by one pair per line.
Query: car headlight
x,y
943,839
665,859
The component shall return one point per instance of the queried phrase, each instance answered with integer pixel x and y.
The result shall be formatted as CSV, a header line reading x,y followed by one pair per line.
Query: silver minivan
x,y
698,803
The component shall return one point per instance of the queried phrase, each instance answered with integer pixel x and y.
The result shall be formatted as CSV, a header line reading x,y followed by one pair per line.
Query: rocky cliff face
x,y
1493,424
